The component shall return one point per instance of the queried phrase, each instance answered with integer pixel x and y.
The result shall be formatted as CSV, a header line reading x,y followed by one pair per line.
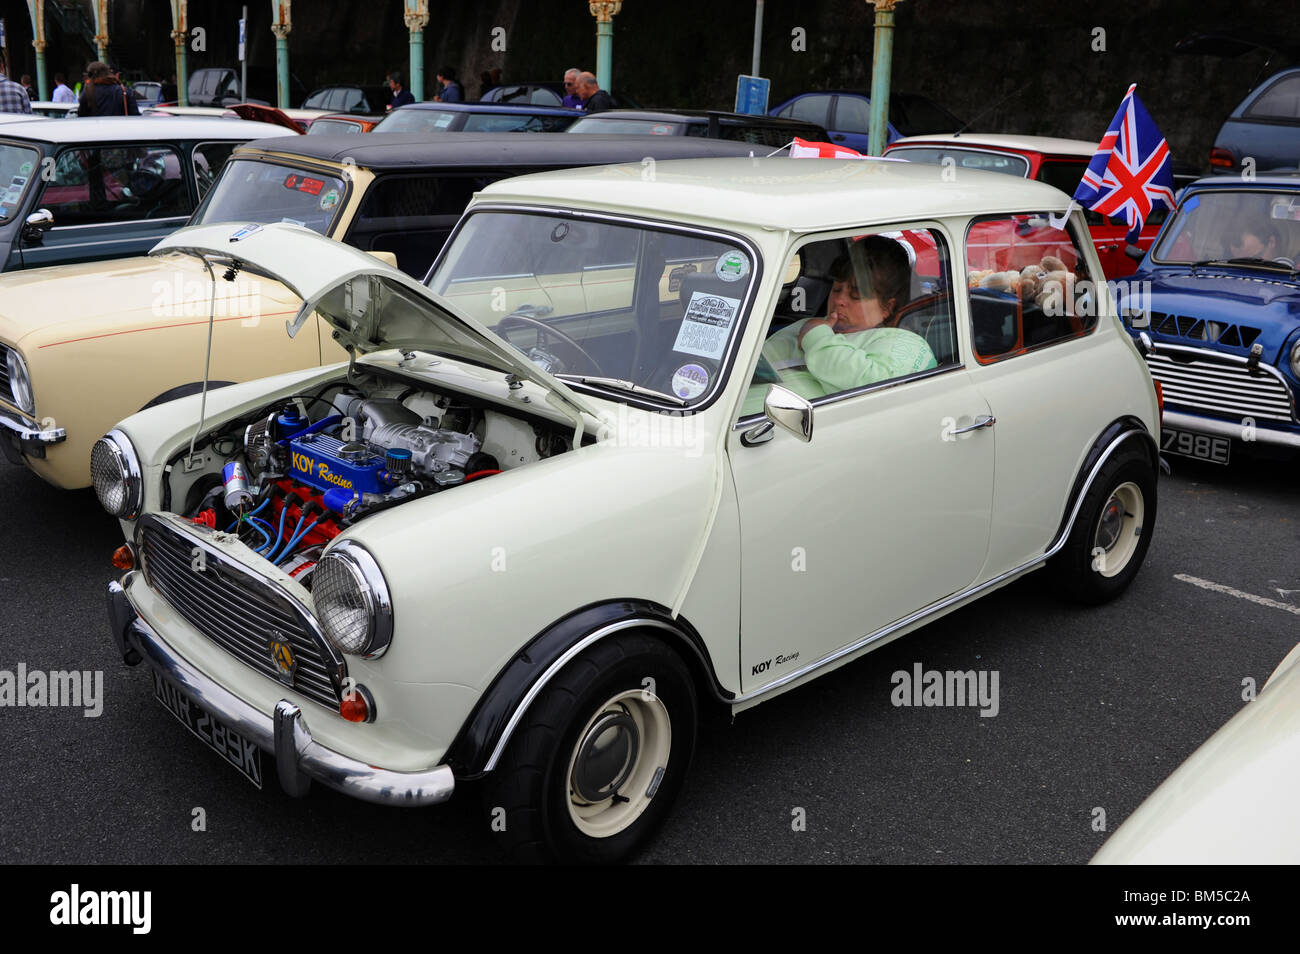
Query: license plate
x,y
1200,446
225,741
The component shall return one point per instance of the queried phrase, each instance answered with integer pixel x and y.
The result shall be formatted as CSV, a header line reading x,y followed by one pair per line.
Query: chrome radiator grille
x,y
237,613
1222,389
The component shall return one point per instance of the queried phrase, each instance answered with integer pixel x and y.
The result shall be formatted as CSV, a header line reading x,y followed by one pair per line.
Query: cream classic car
x,y
83,346
504,542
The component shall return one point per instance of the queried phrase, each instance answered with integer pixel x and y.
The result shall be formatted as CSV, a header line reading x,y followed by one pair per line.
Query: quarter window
x,y
1029,286
813,109
1280,101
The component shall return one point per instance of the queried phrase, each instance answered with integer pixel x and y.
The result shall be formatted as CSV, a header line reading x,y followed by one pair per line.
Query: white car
x,y
650,438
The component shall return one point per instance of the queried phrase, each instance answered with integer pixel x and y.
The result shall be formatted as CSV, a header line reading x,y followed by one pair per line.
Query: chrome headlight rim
x,y
1295,358
123,454
373,589
20,382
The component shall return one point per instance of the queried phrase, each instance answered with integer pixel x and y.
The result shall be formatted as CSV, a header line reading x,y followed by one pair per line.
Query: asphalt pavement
x,y
1096,708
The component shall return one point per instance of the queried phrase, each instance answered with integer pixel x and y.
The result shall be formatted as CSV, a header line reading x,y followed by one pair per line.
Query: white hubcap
x,y
618,761
1118,530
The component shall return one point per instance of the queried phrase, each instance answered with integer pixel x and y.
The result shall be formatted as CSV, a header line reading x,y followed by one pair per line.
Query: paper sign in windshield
x,y
706,325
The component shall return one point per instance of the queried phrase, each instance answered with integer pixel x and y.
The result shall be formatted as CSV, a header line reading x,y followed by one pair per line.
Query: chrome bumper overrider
x,y
285,736
31,432
1181,421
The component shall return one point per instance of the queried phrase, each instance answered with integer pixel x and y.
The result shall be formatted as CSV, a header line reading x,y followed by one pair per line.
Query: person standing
x,y
571,98
26,82
13,98
594,99
104,95
401,95
62,94
451,91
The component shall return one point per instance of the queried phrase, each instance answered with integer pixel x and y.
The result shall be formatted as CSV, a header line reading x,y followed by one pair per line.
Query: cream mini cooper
x,y
647,440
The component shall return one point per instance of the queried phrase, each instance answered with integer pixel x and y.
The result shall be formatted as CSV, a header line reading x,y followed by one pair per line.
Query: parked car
x,y
741,127
475,117
68,333
343,123
1058,162
148,92
544,94
139,177
365,100
847,114
47,109
589,361
1233,801
1264,128
1223,317
220,86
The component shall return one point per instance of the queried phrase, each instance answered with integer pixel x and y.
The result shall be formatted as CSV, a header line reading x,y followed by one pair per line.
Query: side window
x,y
411,216
209,157
352,100
813,109
116,184
316,100
1280,101
852,115
857,311
1028,284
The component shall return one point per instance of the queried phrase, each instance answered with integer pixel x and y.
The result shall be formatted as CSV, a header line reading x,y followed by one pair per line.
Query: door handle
x,y
984,420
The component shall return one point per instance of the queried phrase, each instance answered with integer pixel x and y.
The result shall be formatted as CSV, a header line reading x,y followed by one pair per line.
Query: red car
x,y
1058,162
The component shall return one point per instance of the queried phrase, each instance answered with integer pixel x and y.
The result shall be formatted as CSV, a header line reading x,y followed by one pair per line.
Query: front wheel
x,y
1112,531
600,756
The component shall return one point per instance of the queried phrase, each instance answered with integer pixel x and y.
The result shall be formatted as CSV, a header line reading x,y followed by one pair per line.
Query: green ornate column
x,y
882,61
417,18
37,10
99,10
180,38
604,11
280,26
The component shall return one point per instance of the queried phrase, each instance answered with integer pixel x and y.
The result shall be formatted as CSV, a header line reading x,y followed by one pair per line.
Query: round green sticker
x,y
329,199
732,267
25,168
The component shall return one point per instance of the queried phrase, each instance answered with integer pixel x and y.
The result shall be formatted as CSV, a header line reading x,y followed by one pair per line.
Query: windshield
x,y
965,158
418,120
645,309
17,168
635,127
1220,226
251,191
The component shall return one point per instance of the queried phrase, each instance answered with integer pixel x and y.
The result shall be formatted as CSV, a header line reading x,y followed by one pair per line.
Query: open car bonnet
x,y
371,306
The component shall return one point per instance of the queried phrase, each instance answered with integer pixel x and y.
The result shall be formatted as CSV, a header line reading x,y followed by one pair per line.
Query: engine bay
x,y
291,478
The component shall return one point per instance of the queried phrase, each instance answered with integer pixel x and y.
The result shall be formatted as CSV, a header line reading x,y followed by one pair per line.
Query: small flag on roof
x,y
803,149
1132,171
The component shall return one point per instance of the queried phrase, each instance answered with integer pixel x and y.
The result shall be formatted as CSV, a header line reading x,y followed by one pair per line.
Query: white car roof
x,y
144,128
799,194
1047,144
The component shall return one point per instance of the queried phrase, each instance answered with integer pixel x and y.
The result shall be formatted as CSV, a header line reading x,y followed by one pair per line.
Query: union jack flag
x,y
1132,169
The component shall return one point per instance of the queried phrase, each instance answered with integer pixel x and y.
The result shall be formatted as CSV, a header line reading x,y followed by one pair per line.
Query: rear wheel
x,y
599,757
1112,531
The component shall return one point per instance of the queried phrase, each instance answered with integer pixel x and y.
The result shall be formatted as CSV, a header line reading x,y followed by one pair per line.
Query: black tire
x,y
530,798
1086,570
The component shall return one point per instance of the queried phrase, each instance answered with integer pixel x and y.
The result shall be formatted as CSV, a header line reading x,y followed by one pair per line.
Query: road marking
x,y
1240,594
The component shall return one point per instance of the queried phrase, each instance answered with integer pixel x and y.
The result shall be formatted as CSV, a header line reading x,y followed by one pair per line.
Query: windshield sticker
x,y
290,221
25,169
329,199
442,122
732,266
298,183
244,232
706,326
659,129
690,381
1191,203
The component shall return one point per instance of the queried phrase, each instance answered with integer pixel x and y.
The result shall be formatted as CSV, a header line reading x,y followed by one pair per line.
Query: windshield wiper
x,y
1253,262
622,385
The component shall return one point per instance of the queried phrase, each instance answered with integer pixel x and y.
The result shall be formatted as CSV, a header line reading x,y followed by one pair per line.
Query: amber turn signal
x,y
1160,398
356,706
124,557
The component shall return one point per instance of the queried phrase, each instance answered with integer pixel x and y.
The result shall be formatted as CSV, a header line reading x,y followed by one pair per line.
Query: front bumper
x,y
298,758
1182,421
28,431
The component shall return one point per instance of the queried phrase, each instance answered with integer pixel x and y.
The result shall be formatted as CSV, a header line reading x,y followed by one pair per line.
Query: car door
x,y
851,123
884,511
111,201
813,108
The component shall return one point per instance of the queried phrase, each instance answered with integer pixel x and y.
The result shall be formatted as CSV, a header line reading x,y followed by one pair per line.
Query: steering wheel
x,y
544,333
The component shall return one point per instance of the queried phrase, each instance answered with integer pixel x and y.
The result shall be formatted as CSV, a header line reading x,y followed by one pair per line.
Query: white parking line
x,y
1240,594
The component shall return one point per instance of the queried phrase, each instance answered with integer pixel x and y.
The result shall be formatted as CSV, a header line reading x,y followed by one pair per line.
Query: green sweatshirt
x,y
828,363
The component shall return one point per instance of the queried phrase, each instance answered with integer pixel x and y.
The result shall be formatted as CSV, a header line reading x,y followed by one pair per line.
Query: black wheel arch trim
x,y
185,390
494,718
1122,429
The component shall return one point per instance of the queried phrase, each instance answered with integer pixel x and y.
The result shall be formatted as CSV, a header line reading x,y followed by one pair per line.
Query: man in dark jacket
x,y
451,90
401,95
104,95
594,99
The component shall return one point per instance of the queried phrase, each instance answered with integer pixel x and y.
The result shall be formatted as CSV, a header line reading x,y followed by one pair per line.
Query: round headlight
x,y
115,472
352,601
1295,360
20,382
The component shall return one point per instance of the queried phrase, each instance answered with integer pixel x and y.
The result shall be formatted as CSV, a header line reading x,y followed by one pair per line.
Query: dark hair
x,y
885,266
446,72
58,77
396,77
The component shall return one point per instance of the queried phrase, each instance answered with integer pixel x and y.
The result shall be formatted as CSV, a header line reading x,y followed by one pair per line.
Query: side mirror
x,y
37,224
1133,252
784,409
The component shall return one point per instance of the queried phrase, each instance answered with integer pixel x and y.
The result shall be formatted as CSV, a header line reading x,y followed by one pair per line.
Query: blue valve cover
x,y
315,460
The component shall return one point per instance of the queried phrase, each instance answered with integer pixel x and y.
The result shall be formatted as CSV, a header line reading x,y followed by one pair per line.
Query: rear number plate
x,y
1200,446
225,741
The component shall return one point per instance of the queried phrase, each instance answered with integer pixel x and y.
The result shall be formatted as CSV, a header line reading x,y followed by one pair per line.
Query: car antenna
x,y
989,109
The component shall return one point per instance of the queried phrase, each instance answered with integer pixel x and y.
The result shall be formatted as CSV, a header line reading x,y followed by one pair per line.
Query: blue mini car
x,y
1215,305
475,117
